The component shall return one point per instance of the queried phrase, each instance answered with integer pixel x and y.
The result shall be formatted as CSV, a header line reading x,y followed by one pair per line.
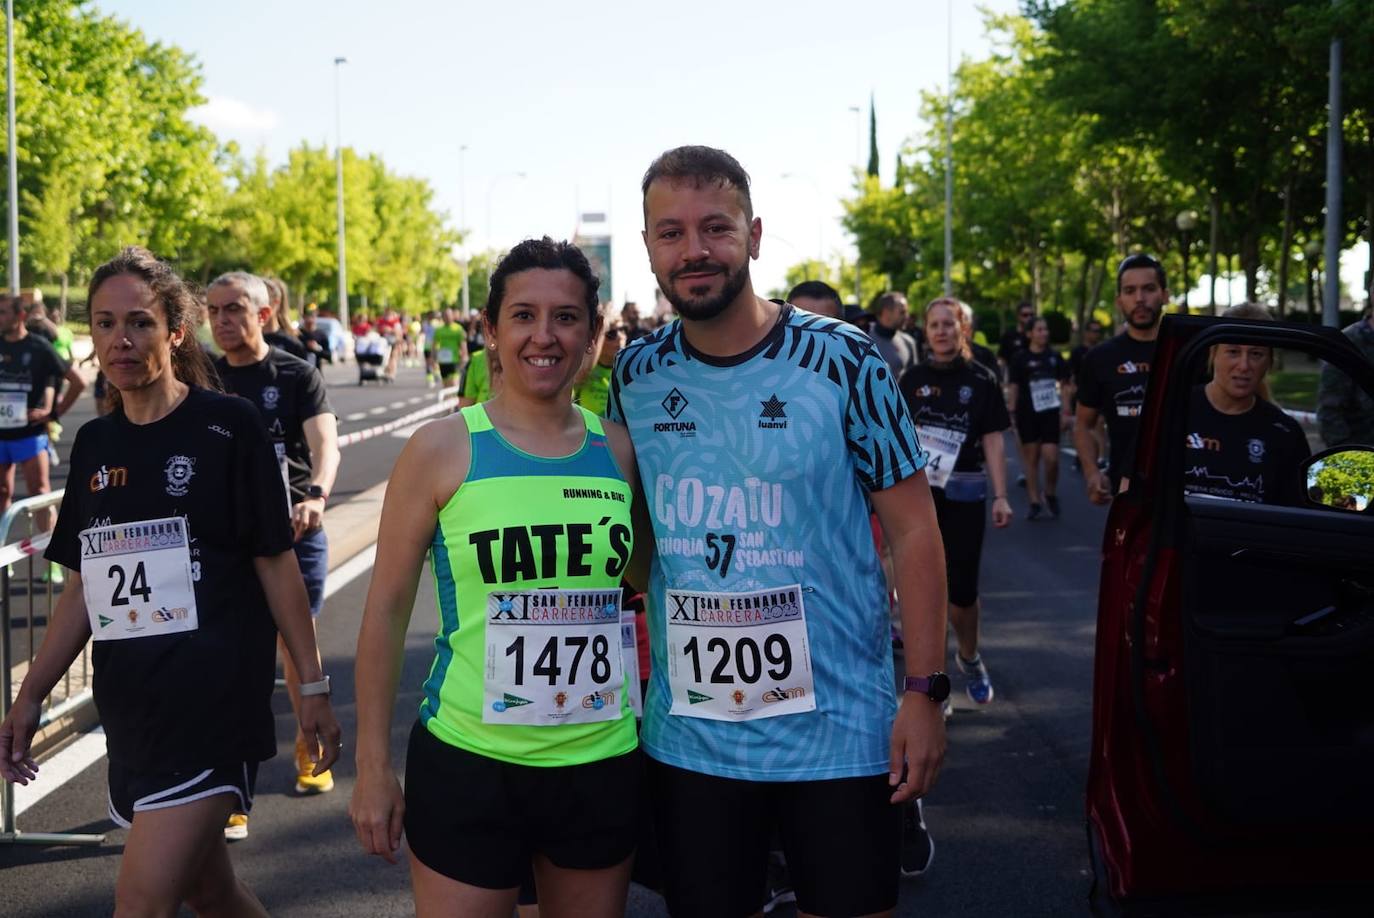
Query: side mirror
x,y
1341,478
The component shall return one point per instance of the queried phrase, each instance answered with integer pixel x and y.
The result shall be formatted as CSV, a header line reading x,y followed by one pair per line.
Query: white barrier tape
x,y
359,436
18,551
1302,417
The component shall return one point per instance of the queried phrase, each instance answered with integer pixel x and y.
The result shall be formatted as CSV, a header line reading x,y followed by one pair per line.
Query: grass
x,y
1295,388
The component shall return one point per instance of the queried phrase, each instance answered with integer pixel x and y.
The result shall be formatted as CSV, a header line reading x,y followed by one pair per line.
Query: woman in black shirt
x,y
1041,412
182,572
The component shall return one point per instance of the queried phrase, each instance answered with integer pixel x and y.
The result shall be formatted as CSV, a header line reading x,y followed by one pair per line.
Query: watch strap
x,y
315,688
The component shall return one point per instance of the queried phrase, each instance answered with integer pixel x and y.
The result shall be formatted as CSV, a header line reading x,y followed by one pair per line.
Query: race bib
x,y
629,654
739,656
137,579
1044,394
553,657
14,410
446,355
943,446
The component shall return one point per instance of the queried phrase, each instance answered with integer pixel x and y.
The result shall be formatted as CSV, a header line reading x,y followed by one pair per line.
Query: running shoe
x,y
979,685
236,829
1021,480
306,782
947,709
1034,512
779,889
1052,503
918,848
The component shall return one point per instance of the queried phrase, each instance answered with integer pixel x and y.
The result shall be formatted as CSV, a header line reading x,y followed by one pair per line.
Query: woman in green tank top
x,y
525,748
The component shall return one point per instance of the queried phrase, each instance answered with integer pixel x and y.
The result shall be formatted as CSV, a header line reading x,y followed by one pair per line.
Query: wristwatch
x,y
935,686
315,492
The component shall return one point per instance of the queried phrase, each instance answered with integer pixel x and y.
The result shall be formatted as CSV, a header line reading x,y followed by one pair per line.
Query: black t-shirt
x,y
203,697
1255,456
1112,381
289,343
27,366
1034,374
320,337
962,398
287,392
1076,359
1011,343
986,358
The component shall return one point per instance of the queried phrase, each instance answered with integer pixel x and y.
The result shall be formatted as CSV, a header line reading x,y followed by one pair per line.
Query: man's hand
x,y
39,415
307,516
1001,513
323,738
918,743
1099,486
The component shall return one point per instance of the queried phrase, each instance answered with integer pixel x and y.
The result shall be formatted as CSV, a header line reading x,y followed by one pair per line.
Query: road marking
x,y
399,404
378,410
415,399
61,768
89,748
403,433
355,416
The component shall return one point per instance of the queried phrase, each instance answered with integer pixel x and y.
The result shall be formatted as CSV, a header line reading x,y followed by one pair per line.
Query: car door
x,y
1233,720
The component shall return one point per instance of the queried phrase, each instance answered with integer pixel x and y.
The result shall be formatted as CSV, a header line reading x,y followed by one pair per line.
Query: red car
x,y
1232,757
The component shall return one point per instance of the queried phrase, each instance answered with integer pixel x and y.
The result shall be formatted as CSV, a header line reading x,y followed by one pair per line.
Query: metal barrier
x,y
73,690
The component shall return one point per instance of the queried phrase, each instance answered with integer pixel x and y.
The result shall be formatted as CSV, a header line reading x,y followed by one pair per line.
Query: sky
x,y
561,107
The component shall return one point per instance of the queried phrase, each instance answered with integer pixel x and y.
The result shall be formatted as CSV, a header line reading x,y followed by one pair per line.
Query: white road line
x,y
403,433
61,768
398,404
378,410
90,747
416,399
355,416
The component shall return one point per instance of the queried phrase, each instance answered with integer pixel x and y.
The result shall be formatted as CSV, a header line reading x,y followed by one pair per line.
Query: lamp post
x,y
949,149
491,189
1311,252
339,194
820,224
858,165
1187,222
463,221
13,147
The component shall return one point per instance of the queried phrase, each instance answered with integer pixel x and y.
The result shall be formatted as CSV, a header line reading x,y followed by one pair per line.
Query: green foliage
x,y
108,156
1346,473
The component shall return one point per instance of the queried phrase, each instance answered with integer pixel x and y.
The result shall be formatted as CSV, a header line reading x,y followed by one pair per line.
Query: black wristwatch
x,y
935,686
315,492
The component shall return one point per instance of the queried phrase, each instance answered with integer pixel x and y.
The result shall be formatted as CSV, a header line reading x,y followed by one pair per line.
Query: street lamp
x,y
858,164
1187,222
13,147
491,189
338,194
820,223
463,220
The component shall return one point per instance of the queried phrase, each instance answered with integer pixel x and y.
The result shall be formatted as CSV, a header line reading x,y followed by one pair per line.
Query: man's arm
x,y
75,386
1099,485
907,513
322,434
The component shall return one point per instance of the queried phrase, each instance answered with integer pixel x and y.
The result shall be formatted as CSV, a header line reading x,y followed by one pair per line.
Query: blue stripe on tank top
x,y
494,457
448,622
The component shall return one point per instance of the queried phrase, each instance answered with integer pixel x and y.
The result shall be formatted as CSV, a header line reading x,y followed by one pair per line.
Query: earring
x,y
492,345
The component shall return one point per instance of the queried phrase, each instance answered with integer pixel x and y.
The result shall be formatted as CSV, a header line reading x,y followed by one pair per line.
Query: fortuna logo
x,y
103,478
1198,441
772,416
697,697
674,403
270,396
179,471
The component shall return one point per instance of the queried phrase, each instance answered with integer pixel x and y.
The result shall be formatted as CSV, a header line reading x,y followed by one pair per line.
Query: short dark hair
x,y
886,300
1141,260
816,290
701,165
553,256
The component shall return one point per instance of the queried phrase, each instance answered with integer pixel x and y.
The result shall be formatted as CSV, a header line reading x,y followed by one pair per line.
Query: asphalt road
x,y
1007,814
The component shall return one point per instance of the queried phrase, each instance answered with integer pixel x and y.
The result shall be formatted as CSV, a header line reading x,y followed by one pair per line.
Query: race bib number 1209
x,y
739,656
137,579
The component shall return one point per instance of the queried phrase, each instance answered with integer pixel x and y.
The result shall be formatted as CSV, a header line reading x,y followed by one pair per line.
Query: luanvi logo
x,y
773,416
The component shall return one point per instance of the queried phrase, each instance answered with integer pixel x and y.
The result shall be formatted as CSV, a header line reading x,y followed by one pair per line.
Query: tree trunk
x,y
1083,298
1059,284
1118,237
1099,276
62,298
1036,271
1311,301
1284,246
1369,231
1213,231
1249,263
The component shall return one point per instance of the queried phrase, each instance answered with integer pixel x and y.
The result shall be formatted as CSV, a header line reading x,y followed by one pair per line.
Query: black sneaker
x,y
1021,480
779,889
918,848
1034,512
1052,502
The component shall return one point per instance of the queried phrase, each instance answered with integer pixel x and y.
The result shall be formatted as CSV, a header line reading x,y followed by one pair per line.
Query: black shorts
x,y
1038,426
448,369
841,837
962,525
480,821
134,792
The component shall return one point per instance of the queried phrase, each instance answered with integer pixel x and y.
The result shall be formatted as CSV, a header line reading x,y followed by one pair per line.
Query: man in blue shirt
x,y
763,434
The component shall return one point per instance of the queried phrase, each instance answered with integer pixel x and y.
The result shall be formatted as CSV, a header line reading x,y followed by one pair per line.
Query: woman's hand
x,y
16,737
377,809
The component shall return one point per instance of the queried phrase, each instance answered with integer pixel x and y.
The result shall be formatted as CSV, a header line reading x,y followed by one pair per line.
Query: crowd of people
x,y
793,708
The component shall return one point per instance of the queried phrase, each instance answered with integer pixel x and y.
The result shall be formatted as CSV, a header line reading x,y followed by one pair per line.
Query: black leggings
x,y
962,524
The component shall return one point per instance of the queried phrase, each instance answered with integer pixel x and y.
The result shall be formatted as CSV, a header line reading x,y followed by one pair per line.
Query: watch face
x,y
939,687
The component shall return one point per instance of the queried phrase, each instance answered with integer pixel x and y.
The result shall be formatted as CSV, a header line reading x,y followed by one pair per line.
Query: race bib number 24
x,y
137,579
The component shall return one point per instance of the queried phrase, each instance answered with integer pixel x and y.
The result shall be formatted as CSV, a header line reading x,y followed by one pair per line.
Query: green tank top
x,y
519,523
448,343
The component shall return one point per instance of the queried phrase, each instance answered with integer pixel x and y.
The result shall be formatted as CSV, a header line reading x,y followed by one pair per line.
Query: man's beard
x,y
700,309
1154,319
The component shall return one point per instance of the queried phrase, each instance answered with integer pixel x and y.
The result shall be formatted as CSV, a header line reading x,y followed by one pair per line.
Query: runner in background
x,y
1041,413
817,297
525,748
595,383
278,330
289,394
1092,336
181,569
450,349
314,339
